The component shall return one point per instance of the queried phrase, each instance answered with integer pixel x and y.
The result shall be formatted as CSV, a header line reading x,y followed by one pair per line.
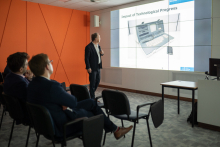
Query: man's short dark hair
x,y
17,60
38,63
94,36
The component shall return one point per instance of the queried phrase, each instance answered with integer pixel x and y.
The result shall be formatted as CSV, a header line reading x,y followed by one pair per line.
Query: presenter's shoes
x,y
122,131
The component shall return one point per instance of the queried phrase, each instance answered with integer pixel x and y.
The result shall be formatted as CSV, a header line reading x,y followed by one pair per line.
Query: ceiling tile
x,y
62,4
43,1
78,5
83,5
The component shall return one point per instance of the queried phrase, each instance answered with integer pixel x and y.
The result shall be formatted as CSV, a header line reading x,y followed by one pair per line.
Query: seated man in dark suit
x,y
62,106
15,84
6,71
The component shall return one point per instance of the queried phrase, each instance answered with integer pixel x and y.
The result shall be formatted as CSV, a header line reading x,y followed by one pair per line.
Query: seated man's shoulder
x,y
12,76
55,83
13,79
43,81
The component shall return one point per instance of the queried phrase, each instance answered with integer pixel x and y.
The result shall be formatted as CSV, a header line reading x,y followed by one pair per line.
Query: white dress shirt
x,y
98,53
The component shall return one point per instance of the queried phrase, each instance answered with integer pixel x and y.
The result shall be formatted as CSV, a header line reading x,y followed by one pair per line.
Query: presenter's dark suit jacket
x,y
51,95
16,86
91,57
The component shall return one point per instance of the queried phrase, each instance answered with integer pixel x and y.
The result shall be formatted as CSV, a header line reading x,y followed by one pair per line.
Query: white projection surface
x,y
159,35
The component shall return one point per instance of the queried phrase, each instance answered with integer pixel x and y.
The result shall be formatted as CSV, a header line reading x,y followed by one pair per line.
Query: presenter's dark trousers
x,y
94,79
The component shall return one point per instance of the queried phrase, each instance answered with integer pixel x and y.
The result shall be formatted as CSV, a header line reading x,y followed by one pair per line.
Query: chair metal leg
x,y
54,144
12,128
36,133
62,145
148,128
28,136
132,142
104,139
122,125
2,117
38,138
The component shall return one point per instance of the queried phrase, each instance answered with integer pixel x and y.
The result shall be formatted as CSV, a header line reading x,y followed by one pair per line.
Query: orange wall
x,y
36,28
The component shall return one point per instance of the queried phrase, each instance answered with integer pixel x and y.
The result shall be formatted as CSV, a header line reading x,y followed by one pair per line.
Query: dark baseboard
x,y
207,126
147,93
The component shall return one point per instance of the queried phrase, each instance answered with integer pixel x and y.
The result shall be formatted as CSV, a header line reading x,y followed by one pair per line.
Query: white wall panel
x,y
215,51
216,31
215,10
149,80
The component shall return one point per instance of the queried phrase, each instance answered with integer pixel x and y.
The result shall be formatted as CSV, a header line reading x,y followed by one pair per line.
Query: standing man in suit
x,y
93,53
62,106
15,83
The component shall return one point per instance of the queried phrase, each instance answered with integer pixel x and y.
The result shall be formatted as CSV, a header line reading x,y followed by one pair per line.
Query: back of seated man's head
x,y
40,65
18,62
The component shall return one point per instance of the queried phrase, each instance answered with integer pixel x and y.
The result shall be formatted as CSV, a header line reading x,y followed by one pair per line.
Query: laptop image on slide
x,y
151,36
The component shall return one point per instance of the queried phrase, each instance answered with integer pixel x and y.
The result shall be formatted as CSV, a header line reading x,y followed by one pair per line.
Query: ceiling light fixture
x,y
64,0
96,1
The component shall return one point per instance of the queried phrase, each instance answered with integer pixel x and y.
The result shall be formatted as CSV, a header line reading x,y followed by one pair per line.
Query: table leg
x,y
178,101
193,108
163,96
163,93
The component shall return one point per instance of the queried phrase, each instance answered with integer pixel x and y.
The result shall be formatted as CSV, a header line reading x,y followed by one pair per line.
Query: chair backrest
x,y
41,119
80,92
2,101
93,131
14,107
116,102
157,113
1,77
64,85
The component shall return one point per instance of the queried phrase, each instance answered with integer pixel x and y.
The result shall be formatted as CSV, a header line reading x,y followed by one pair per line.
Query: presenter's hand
x,y
102,52
64,107
89,70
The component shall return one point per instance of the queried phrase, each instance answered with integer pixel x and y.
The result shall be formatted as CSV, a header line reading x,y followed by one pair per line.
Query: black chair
x,y
64,86
44,125
2,102
117,105
93,131
81,93
1,78
16,113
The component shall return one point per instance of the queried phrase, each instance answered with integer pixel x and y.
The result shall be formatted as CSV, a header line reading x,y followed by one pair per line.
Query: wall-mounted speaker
x,y
96,21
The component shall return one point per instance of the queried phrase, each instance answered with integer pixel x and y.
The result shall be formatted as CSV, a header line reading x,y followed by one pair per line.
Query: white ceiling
x,y
84,5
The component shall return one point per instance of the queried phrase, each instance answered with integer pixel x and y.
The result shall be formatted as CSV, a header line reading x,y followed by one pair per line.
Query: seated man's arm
x,y
61,97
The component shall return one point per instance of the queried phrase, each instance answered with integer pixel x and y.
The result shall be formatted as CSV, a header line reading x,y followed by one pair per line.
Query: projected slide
x,y
158,35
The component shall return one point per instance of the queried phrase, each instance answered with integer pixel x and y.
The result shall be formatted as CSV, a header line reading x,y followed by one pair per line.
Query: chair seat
x,y
132,116
100,105
69,137
72,136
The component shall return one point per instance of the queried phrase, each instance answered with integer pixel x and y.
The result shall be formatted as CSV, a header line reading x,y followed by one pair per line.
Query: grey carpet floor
x,y
174,132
